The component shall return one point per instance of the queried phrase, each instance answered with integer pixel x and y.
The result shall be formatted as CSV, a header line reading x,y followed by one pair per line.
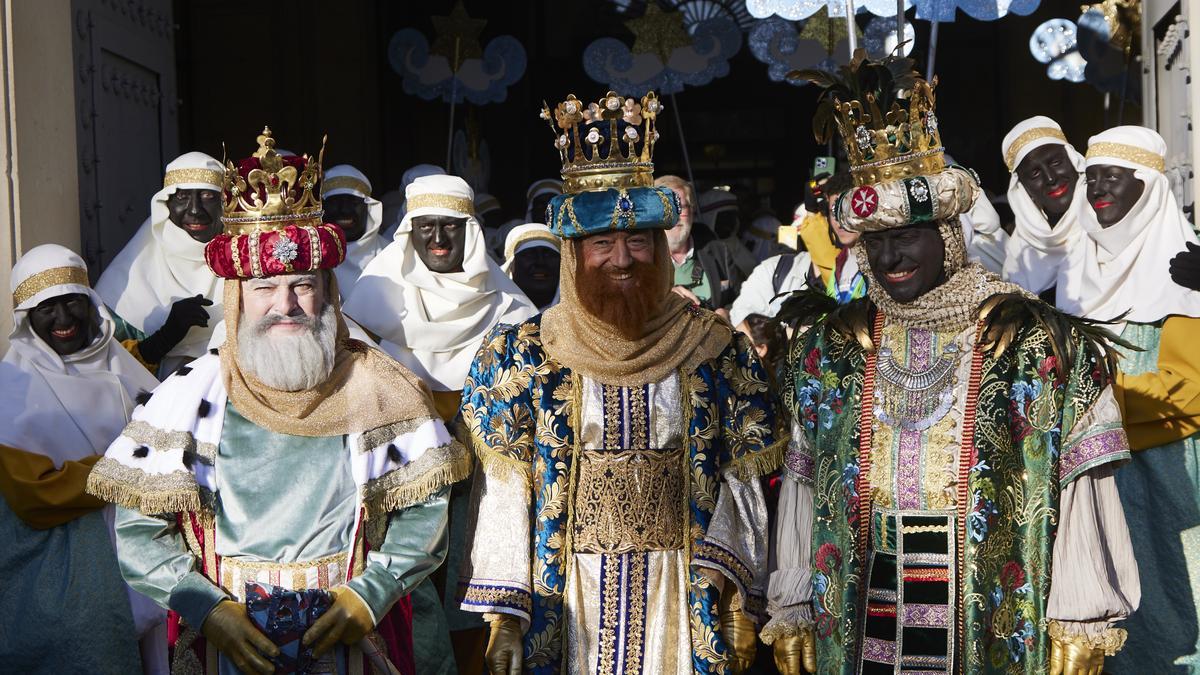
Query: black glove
x,y
1185,267
184,314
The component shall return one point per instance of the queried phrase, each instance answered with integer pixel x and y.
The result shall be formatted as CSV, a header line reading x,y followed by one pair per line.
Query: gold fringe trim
x,y
134,489
1111,640
369,440
757,464
498,465
414,483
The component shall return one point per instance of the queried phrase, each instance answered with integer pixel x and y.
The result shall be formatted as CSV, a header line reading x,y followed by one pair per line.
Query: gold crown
x,y
267,191
900,143
590,138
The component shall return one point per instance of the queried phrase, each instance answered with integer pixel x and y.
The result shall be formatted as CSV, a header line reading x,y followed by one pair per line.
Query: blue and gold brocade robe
x,y
597,506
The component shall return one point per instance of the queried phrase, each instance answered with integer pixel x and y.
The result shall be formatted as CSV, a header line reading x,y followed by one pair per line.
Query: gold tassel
x,y
757,464
500,466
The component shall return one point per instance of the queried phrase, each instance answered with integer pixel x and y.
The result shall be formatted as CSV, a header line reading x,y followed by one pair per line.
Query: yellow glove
x,y
505,647
231,632
1075,658
348,621
794,650
738,631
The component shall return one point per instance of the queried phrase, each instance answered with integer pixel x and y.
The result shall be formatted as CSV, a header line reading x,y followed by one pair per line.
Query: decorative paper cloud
x,y
1054,43
664,57
777,43
982,10
795,10
482,75
879,39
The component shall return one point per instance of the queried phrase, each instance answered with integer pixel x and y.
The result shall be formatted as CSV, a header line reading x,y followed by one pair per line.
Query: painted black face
x,y
64,322
726,223
538,207
197,212
1049,178
440,242
535,271
1112,191
909,261
348,212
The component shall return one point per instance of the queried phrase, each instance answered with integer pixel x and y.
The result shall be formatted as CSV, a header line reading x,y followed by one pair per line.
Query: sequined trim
x,y
1107,446
418,480
495,596
629,501
1010,155
432,200
207,176
926,616
150,494
879,651
726,562
345,183
324,572
55,276
314,247
1129,153
799,464
255,262
140,431
623,592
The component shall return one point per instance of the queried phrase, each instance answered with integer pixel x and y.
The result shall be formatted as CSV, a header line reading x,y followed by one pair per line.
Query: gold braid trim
x,y
432,200
1010,155
1129,153
369,440
55,276
417,481
757,464
1111,640
344,183
134,489
497,464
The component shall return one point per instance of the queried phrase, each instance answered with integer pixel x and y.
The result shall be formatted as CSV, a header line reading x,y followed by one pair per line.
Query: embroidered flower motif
x,y
285,251
1011,575
828,558
812,362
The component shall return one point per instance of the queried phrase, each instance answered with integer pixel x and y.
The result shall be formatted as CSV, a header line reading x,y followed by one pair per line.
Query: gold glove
x,y
738,631
231,632
505,647
347,621
1075,658
794,650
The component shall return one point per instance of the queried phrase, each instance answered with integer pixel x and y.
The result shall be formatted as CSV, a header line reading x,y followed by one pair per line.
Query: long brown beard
x,y
626,310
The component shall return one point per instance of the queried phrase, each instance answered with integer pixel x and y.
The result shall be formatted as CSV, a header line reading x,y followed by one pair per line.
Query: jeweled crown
x,y
267,191
606,144
900,142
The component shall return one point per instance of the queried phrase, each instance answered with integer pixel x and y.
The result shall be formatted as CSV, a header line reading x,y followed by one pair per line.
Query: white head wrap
x,y
1036,252
1124,267
71,406
986,240
433,322
525,237
410,174
162,264
545,186
344,179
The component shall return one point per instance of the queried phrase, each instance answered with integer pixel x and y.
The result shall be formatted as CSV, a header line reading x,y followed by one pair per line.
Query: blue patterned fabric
x,y
517,408
573,216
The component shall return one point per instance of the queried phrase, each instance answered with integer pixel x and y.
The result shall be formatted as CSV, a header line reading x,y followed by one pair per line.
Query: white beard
x,y
291,362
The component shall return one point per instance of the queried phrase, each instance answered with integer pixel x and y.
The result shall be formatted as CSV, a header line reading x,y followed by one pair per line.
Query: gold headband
x,y
532,235
432,200
1010,157
207,176
55,276
1129,153
345,183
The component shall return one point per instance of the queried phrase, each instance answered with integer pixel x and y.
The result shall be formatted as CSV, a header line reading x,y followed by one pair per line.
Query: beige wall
x,y
39,190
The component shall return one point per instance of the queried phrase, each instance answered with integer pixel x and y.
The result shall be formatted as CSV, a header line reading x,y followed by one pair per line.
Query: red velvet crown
x,y
273,218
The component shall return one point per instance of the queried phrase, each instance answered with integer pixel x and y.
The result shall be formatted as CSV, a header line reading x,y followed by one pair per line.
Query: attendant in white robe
x,y
348,203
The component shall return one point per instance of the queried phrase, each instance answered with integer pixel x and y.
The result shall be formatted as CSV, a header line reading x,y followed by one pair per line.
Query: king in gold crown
x,y
606,144
273,217
898,143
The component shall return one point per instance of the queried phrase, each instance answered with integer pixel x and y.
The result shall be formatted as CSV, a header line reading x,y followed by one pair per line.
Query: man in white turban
x,y
158,285
431,296
394,204
67,387
1047,196
532,254
348,203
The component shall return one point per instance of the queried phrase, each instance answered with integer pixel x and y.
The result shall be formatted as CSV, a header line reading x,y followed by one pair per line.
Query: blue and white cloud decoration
x,y
796,10
980,10
480,80
777,43
715,41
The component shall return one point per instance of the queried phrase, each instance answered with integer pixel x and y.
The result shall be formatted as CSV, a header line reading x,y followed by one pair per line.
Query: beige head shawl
x,y
678,336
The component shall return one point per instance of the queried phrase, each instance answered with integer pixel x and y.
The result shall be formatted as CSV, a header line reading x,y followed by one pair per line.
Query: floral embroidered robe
x,y
934,537
602,511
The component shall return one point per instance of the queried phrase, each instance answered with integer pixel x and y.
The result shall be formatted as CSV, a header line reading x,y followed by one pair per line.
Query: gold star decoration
x,y
821,28
457,36
658,32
